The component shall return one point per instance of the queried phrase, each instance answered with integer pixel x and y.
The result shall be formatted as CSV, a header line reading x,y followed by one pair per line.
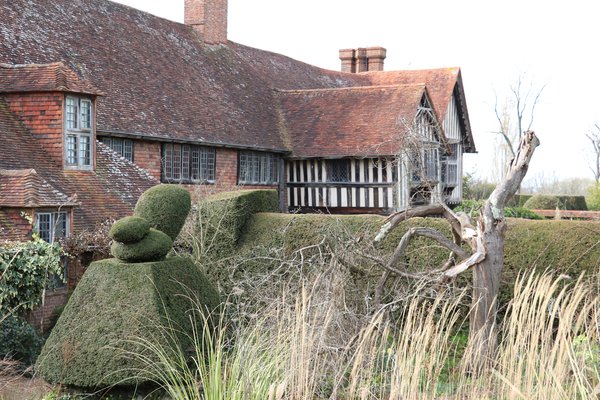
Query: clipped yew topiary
x,y
129,229
153,247
166,206
138,297
115,306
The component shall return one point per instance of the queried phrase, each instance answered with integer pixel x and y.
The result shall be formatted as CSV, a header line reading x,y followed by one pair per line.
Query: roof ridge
x,y
350,88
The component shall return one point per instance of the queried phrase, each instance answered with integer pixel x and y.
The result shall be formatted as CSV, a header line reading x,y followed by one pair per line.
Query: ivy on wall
x,y
26,270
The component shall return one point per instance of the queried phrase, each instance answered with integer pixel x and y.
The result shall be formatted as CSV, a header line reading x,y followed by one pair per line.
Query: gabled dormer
x,y
57,106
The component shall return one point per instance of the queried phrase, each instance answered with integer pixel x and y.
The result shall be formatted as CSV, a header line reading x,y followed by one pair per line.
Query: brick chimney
x,y
208,18
362,59
348,60
375,57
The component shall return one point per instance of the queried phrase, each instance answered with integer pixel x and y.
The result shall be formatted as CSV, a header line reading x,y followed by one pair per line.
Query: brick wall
x,y
146,154
41,113
226,168
43,317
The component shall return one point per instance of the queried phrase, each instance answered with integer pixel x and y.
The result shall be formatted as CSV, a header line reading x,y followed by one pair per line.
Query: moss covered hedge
x,y
566,247
115,307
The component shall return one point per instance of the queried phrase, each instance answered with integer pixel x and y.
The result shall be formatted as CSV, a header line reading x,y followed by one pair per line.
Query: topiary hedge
x,y
114,308
216,222
551,202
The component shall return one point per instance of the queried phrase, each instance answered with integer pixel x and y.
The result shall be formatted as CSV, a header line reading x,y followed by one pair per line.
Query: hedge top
x,y
165,207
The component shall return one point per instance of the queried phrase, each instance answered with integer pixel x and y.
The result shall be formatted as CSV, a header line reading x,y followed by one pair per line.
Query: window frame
x,y
200,168
54,217
450,166
426,163
78,132
258,168
335,167
124,147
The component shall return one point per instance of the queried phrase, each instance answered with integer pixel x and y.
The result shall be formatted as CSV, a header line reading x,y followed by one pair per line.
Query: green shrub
x,y
518,200
165,207
472,207
129,229
550,202
114,307
566,247
474,189
25,269
18,340
593,197
520,212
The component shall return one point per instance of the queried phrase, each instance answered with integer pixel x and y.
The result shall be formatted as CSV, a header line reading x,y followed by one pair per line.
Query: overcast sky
x,y
551,43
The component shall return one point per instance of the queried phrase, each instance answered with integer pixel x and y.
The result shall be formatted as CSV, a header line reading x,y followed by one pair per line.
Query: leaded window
x,y
450,166
123,147
188,163
78,132
338,170
258,168
425,164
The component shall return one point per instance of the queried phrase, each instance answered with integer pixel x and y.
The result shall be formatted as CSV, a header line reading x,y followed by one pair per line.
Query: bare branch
x,y
535,102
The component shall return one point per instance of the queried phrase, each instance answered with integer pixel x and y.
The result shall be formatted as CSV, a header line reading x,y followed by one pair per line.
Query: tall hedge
x,y
566,247
551,202
216,223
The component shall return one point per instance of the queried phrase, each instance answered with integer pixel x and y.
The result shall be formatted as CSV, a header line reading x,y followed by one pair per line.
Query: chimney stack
x,y
348,60
362,59
208,18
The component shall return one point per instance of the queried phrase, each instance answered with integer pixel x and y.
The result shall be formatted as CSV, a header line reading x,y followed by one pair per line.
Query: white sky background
x,y
553,43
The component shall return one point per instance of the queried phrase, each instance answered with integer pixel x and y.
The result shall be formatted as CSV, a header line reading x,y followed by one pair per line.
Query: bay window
x,y
78,132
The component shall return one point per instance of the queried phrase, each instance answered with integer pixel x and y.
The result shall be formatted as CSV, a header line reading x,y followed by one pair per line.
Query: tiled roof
x,y
359,121
25,188
108,192
440,83
43,78
161,81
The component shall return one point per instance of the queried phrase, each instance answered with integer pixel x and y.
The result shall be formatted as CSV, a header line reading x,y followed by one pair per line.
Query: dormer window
x,y
78,132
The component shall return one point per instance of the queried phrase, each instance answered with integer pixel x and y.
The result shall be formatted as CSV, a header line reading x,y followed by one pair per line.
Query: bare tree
x,y
594,136
486,241
515,115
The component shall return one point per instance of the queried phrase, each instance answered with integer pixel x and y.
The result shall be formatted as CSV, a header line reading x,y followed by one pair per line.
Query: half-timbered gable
x,y
361,149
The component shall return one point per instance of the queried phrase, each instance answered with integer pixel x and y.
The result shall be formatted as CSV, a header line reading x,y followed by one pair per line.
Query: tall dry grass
x,y
549,348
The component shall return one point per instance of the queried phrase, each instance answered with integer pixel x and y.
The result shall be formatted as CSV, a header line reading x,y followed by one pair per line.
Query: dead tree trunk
x,y
486,274
487,258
